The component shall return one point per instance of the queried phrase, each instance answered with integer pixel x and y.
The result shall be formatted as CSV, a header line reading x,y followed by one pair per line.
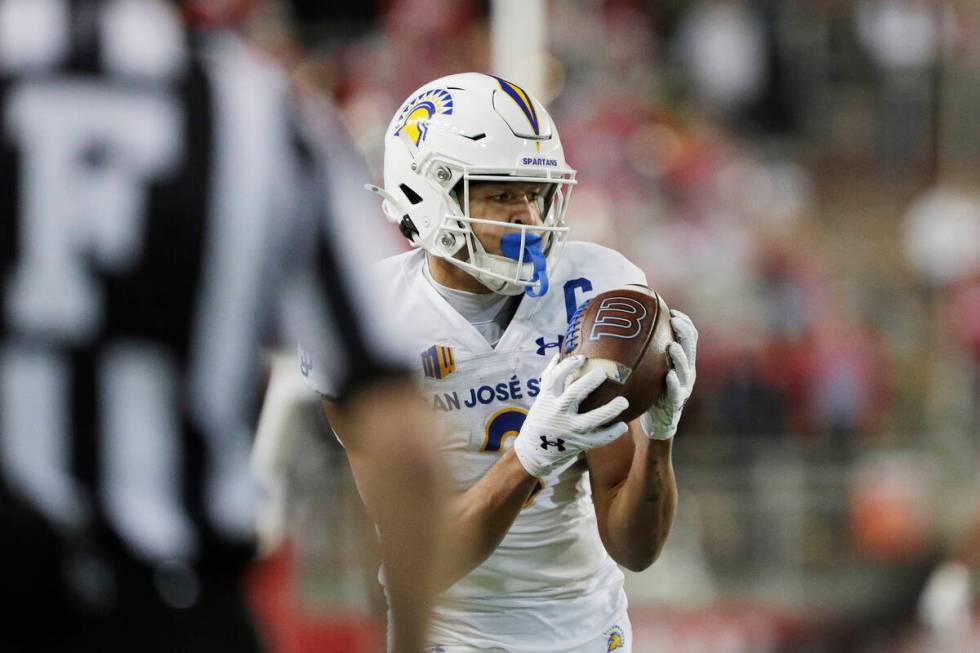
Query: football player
x,y
549,501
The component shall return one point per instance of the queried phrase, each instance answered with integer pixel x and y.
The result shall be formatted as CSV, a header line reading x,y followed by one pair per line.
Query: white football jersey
x,y
550,585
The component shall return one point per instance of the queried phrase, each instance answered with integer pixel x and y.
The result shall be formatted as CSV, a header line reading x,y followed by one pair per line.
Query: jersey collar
x,y
461,328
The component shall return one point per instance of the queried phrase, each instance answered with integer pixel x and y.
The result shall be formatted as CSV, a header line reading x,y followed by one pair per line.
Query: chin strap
x,y
510,246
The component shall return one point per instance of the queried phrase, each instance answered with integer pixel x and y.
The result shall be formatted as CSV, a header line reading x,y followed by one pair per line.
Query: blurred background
x,y
803,178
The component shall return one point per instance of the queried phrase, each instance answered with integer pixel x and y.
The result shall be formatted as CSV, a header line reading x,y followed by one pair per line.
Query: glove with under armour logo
x,y
554,431
660,422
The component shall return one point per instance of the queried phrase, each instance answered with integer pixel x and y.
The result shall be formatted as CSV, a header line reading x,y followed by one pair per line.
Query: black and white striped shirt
x,y
161,203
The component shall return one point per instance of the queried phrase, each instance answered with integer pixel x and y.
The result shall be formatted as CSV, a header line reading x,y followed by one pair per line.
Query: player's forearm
x,y
478,519
641,511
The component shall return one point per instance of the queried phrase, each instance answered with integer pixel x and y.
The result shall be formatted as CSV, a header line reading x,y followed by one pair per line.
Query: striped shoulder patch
x,y
438,361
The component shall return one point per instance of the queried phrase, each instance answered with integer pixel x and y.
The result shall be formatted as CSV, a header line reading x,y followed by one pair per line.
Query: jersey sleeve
x,y
345,342
605,268
629,272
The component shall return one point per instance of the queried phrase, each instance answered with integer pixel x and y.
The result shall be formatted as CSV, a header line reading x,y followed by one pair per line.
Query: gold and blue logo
x,y
438,361
413,123
524,103
615,639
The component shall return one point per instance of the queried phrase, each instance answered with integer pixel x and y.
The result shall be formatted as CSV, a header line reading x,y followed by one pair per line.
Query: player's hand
x,y
660,422
554,431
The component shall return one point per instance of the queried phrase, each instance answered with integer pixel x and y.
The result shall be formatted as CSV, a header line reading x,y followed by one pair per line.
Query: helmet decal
x,y
523,101
414,119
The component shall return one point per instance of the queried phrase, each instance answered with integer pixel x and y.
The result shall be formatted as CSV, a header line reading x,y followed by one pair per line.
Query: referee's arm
x,y
386,431
398,477
383,423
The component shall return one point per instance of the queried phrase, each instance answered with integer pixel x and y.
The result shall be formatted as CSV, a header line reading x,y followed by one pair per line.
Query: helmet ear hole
x,y
408,228
457,194
410,194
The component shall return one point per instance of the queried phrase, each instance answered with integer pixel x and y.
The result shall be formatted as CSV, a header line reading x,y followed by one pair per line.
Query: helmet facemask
x,y
528,252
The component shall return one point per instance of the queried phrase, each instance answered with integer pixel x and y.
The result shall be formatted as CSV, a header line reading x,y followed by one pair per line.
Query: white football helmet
x,y
474,127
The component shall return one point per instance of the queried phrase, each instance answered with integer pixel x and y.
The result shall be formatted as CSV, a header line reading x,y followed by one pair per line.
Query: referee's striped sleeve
x,y
346,343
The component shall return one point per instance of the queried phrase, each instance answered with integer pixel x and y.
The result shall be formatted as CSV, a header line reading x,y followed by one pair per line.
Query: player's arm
x,y
479,518
473,522
553,433
635,496
633,486
476,520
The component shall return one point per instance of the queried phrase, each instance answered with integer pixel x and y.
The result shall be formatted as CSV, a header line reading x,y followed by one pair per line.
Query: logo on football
x,y
624,332
618,317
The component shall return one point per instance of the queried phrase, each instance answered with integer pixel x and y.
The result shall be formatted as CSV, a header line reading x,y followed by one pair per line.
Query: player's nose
x,y
526,213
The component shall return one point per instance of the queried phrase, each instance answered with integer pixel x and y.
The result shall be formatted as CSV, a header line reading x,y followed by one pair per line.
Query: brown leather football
x,y
624,332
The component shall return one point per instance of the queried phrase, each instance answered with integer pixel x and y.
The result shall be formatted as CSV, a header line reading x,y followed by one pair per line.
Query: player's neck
x,y
448,275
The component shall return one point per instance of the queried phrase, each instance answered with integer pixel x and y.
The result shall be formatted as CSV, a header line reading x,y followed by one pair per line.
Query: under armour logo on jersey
x,y
305,363
557,442
544,346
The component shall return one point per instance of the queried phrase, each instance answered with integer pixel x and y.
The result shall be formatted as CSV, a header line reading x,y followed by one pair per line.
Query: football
x,y
624,332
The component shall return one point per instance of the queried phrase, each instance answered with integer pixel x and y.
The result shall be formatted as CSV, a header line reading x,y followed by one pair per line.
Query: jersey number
x,y
501,427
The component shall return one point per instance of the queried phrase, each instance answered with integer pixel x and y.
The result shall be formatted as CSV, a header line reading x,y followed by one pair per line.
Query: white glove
x,y
660,422
554,431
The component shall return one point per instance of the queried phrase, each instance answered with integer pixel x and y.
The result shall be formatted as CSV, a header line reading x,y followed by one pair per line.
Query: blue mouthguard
x,y
510,246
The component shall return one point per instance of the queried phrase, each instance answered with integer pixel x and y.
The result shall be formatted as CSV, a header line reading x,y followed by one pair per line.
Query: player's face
x,y
511,204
